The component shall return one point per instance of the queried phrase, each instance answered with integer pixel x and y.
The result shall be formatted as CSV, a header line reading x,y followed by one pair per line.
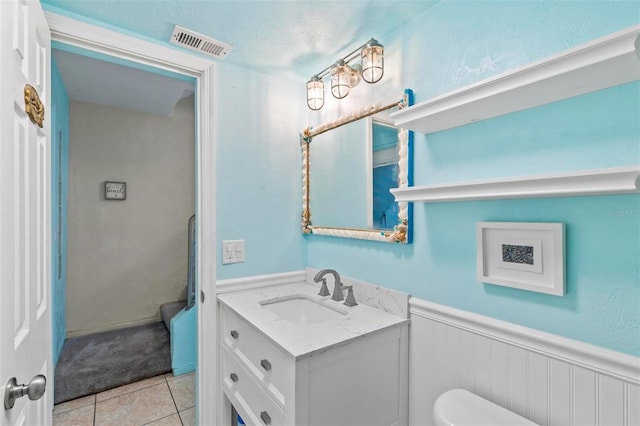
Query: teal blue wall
x,y
258,187
258,170
257,119
458,43
183,341
59,123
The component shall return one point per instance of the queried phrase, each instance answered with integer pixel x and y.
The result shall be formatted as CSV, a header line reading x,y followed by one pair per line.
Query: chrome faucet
x,y
337,289
324,291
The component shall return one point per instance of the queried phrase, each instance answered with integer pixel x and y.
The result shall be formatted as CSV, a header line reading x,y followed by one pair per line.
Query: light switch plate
x,y
233,251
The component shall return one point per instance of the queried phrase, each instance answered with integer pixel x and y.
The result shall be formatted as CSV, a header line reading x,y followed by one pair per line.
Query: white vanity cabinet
x,y
361,381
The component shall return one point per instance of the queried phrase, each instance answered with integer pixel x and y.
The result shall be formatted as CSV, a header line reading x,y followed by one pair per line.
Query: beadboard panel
x,y
632,404
538,369
536,382
610,401
560,405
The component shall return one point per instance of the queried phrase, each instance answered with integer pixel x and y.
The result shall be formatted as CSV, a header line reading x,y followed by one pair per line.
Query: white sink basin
x,y
302,309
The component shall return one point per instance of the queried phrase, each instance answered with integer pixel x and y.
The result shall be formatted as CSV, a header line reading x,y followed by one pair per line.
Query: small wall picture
x,y
115,190
528,256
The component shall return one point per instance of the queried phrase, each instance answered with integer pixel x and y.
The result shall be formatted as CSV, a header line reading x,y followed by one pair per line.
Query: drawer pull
x,y
266,418
265,364
234,334
234,377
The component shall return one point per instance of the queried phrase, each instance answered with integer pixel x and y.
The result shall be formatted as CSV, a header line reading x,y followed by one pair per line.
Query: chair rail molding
x,y
611,363
602,63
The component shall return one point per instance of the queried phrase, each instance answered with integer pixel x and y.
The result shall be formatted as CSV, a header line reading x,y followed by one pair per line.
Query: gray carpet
x,y
97,362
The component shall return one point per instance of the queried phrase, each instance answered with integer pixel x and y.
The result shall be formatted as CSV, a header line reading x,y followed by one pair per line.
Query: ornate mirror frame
x,y
402,232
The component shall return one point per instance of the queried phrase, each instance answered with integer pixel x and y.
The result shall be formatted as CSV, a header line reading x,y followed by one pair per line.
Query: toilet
x,y
459,407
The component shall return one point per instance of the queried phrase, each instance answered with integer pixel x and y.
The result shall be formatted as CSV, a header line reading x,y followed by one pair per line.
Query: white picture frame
x,y
524,255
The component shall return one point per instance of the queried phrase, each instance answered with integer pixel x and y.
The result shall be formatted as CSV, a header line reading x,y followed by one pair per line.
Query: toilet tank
x,y
459,407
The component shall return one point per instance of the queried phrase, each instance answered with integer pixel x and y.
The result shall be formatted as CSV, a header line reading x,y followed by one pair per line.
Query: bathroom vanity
x,y
291,357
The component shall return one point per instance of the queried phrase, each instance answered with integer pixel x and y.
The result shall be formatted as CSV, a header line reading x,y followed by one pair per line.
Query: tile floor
x,y
159,401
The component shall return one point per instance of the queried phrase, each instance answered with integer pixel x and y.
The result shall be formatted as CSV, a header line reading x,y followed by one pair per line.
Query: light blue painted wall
x,y
59,123
258,170
183,341
257,119
459,43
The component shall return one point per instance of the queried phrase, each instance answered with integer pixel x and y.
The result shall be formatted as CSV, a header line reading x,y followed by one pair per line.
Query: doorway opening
x,y
130,254
125,47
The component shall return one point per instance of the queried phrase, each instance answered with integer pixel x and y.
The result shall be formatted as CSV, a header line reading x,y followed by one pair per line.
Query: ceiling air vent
x,y
199,43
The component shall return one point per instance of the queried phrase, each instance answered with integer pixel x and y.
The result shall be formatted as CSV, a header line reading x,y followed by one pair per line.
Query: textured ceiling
x,y
291,38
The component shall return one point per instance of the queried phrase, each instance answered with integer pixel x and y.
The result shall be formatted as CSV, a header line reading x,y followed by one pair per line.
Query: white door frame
x,y
91,37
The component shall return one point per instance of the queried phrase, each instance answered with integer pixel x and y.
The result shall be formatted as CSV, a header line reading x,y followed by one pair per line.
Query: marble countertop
x,y
306,339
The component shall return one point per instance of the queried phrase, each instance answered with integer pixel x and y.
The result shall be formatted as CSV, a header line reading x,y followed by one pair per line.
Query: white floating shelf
x,y
618,180
606,62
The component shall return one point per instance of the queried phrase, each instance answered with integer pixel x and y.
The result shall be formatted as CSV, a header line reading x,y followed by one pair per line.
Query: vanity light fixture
x,y
315,93
372,61
340,79
345,76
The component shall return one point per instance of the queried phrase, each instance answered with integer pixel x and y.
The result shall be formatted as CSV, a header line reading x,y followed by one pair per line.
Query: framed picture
x,y
528,256
115,190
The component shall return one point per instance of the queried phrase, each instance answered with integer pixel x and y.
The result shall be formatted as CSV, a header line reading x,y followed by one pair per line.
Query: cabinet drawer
x,y
264,361
249,398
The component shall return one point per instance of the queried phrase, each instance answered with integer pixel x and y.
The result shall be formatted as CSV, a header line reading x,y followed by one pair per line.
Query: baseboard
x,y
183,369
145,321
257,281
604,361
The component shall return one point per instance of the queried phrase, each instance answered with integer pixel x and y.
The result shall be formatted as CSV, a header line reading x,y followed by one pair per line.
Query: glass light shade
x,y
315,93
372,61
356,72
340,80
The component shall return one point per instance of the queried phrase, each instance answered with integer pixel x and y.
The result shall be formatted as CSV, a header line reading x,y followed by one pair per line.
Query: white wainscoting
x,y
546,378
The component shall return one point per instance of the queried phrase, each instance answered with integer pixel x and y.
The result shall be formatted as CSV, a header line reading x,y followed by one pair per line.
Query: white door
x,y
25,223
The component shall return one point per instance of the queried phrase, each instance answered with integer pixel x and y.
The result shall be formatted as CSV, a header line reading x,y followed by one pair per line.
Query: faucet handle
x,y
337,291
324,291
351,300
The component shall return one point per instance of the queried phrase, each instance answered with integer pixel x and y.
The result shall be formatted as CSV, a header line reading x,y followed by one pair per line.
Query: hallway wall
x,y
59,147
127,257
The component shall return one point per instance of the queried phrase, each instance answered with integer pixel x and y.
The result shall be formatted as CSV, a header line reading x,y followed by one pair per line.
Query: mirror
x,y
349,166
